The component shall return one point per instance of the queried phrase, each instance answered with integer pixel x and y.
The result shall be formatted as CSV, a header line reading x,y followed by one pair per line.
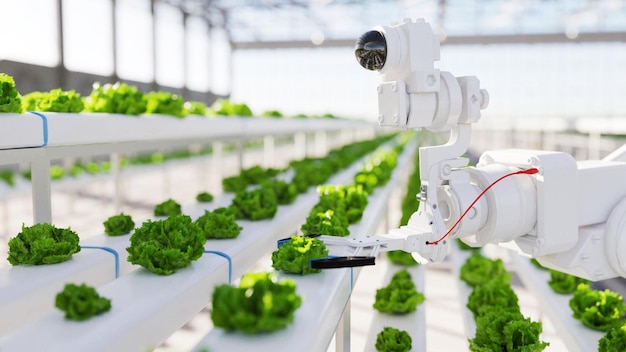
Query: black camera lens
x,y
371,50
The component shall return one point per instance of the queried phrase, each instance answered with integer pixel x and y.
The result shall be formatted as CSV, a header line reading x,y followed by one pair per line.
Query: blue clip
x,y
112,251
44,121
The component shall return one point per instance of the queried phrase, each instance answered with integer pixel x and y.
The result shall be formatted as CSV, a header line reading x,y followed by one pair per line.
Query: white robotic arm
x,y
570,216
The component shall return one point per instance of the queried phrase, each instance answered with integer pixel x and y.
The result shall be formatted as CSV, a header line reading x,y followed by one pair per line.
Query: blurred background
x,y
538,58
555,70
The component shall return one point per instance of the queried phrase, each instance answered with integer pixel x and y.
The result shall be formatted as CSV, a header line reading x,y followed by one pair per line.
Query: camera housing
x,y
371,50
414,94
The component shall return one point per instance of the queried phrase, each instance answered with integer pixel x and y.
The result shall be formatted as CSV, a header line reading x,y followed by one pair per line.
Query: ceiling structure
x,y
308,23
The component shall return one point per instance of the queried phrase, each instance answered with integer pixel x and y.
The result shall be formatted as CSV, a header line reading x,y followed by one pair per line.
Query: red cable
x,y
531,171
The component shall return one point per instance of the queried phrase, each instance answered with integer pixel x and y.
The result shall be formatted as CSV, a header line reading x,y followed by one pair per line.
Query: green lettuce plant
x,y
165,103
598,310
204,197
225,107
378,170
168,208
218,224
8,177
272,113
81,302
410,202
256,175
118,98
165,246
306,174
286,193
294,256
260,304
10,98
118,225
91,168
42,244
393,340
350,200
195,108
30,100
400,257
56,100
564,283
234,183
494,293
478,270
325,223
400,296
614,340
257,204
505,329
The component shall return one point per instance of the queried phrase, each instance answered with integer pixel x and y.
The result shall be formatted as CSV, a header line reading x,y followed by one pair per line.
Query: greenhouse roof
x,y
317,21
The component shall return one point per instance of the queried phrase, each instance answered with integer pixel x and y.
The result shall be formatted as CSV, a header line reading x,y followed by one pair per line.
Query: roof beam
x,y
451,40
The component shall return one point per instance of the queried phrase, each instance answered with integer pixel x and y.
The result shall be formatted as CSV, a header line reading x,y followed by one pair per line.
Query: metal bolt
x,y
584,257
431,80
447,170
379,89
381,119
394,87
474,99
395,118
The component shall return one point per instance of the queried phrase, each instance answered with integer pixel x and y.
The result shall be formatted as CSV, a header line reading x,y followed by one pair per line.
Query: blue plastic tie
x,y
112,251
44,119
230,262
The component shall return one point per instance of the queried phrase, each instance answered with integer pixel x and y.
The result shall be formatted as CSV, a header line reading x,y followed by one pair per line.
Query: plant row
x,y
118,98
162,246
44,242
342,205
601,310
409,205
500,325
76,169
339,206
400,297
